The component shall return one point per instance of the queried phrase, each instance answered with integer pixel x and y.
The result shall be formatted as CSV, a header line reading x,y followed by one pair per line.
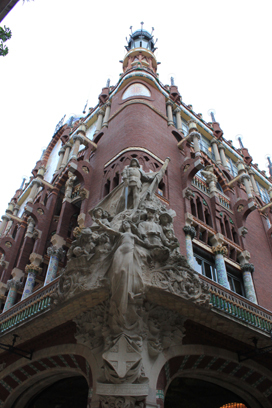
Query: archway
x,y
66,393
184,392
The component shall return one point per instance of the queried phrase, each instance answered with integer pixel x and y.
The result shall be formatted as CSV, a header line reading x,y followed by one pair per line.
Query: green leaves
x,y
5,34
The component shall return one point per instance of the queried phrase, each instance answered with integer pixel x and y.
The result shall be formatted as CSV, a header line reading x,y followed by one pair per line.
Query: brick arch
x,y
42,372
251,383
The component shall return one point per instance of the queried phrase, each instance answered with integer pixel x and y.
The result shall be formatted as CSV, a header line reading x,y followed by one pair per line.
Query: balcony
x,y
224,303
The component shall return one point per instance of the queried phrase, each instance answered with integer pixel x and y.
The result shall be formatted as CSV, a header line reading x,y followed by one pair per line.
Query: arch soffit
x,y
225,357
80,361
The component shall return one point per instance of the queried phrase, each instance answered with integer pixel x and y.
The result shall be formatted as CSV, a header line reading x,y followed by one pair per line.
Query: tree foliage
x,y
5,34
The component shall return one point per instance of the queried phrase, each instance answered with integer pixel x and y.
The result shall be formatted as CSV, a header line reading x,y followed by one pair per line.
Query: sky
x,y
62,52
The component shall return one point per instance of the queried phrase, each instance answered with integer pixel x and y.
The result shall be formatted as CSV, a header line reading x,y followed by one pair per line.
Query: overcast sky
x,y
62,52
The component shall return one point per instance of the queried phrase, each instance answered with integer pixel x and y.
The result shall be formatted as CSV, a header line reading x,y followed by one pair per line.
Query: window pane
x,y
198,265
237,287
208,270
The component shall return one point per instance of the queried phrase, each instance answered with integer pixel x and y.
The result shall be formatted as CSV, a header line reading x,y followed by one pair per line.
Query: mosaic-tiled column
x,y
219,252
55,256
13,286
32,270
247,270
190,233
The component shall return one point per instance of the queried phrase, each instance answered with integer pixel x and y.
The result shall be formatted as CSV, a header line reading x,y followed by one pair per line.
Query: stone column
x,y
178,118
270,193
13,286
107,114
246,181
4,223
61,153
169,113
3,288
34,190
216,151
219,251
247,270
253,181
211,179
194,136
67,148
55,256
99,121
223,156
78,140
32,270
190,233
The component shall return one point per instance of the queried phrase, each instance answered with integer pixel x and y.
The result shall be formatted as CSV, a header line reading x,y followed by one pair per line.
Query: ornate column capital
x,y
177,110
220,146
244,176
61,151
220,250
169,102
194,133
101,112
33,268
189,230
12,283
5,217
248,267
79,137
57,252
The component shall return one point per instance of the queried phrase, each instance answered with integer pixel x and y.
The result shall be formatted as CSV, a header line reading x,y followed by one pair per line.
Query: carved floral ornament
x,y
130,248
220,249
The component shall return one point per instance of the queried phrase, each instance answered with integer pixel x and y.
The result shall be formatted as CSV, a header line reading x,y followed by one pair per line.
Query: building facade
x,y
136,262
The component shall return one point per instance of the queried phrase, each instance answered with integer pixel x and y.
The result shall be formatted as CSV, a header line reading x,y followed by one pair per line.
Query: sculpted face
x,y
126,225
150,215
133,163
164,219
98,213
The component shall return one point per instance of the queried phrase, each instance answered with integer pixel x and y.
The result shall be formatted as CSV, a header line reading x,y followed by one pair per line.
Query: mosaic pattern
x,y
52,269
189,250
221,271
29,285
249,288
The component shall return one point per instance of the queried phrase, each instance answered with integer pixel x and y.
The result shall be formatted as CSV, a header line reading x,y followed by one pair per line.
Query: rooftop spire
x,y
141,39
269,166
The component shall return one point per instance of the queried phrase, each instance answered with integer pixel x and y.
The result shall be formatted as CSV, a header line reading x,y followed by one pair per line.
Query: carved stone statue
x,y
127,253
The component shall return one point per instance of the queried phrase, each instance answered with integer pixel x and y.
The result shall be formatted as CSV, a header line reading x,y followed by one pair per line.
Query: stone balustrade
x,y
200,184
23,311
236,307
224,301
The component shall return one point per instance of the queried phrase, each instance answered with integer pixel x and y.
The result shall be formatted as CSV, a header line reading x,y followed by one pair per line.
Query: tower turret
x,y
140,51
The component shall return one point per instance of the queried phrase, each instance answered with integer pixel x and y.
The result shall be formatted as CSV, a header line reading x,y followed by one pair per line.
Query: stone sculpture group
x,y
130,248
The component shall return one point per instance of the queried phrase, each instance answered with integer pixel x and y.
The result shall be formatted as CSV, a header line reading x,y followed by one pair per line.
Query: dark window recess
x,y
161,188
115,181
107,188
